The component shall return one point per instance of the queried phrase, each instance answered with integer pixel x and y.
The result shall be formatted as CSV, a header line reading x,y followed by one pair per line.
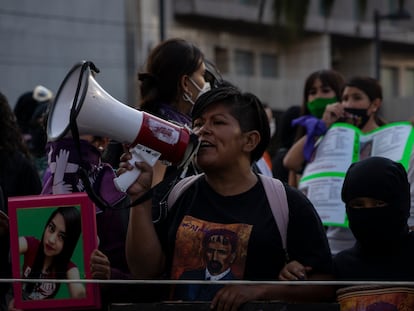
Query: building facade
x,y
43,39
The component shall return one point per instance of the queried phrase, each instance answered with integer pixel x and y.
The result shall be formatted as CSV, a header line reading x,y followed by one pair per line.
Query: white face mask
x,y
201,91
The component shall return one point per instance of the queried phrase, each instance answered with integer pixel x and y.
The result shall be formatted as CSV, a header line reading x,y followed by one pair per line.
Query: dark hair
x,y
328,77
246,108
227,237
212,74
368,85
11,139
371,87
166,64
72,218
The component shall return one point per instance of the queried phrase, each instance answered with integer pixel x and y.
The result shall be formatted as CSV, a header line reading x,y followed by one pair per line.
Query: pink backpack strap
x,y
180,187
276,195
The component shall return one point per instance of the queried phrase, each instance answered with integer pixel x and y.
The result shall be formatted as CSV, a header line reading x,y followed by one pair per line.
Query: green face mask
x,y
318,105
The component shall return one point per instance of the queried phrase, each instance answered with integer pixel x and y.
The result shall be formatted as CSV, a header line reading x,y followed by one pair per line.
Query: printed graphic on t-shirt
x,y
210,251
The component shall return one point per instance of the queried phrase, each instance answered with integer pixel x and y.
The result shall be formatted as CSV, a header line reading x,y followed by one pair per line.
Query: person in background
x,y
285,138
173,79
30,110
376,193
5,265
322,88
264,164
360,104
234,132
18,175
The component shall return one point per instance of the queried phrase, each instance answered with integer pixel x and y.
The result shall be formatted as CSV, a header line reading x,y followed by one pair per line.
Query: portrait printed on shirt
x,y
210,251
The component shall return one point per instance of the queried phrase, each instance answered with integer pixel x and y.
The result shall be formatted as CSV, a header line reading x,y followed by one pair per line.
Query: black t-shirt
x,y
260,255
394,264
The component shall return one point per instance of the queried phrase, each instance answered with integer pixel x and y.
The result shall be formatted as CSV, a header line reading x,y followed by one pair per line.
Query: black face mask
x,y
388,229
378,228
358,117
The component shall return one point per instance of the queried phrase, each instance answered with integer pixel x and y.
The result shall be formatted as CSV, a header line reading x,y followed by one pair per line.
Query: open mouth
x,y
205,144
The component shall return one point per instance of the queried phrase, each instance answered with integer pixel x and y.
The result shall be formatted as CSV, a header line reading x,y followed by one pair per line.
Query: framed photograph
x,y
52,238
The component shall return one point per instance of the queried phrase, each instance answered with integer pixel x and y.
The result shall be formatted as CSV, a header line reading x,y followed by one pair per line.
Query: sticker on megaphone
x,y
139,153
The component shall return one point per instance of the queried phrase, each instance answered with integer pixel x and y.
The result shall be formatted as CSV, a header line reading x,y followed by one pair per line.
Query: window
x,y
322,8
269,65
389,81
221,57
409,82
244,62
357,13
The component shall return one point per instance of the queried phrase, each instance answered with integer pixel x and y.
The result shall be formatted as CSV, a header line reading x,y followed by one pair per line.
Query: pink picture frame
x,y
33,222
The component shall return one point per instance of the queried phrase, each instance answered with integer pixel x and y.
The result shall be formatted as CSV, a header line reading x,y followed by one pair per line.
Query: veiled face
x,y
364,202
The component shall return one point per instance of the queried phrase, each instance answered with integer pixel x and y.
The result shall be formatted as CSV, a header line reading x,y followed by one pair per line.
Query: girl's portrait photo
x,y
50,256
52,238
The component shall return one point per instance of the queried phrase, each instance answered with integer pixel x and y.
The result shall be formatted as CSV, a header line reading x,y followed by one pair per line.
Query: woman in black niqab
x,y
385,248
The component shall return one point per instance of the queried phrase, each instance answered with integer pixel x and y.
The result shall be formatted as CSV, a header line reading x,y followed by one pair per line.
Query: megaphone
x,y
80,98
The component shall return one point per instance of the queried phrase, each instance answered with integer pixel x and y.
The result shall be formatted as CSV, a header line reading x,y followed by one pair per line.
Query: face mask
x,y
317,106
201,91
388,228
358,117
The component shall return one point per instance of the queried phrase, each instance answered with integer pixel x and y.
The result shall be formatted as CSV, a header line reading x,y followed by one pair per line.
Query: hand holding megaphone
x,y
80,98
139,153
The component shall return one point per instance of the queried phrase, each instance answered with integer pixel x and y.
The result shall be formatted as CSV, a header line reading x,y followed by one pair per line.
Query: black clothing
x,y
278,169
18,175
265,257
393,264
384,248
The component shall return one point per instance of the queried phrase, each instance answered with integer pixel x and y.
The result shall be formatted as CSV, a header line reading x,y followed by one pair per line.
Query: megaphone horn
x,y
99,114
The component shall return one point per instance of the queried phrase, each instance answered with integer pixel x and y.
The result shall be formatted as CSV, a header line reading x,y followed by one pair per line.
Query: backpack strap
x,y
276,195
179,188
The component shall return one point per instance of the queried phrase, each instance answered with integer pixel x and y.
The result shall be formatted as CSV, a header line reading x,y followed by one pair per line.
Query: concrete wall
x,y
42,40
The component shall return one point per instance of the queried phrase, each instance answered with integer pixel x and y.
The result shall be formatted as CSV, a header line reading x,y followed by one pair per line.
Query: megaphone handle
x,y
139,153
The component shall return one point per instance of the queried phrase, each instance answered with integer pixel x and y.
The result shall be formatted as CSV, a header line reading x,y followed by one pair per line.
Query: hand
x,y
100,266
294,271
332,114
143,183
231,297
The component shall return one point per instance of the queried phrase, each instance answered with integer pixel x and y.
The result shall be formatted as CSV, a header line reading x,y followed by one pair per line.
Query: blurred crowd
x,y
213,217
